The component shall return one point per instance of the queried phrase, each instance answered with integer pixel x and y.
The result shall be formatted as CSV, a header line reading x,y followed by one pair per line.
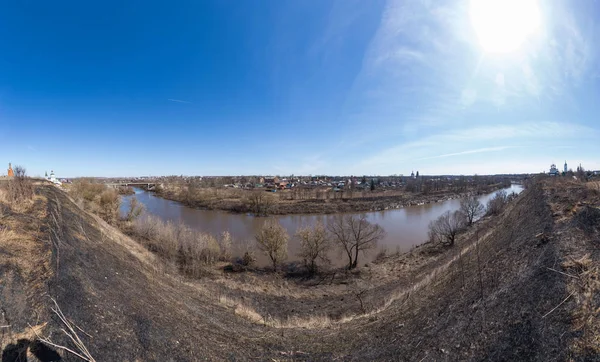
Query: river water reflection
x,y
405,227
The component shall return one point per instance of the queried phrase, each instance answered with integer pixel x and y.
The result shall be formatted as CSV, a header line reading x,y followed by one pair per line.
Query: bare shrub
x,y
191,250
248,259
87,190
146,227
246,248
110,202
196,250
314,245
586,312
471,208
260,203
355,234
20,187
497,203
272,239
445,228
225,243
135,209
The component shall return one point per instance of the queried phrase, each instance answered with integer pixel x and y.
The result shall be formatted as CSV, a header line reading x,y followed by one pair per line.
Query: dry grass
x,y
24,267
585,289
250,314
191,250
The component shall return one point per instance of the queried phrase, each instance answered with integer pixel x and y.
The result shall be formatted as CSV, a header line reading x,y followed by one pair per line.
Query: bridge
x,y
147,185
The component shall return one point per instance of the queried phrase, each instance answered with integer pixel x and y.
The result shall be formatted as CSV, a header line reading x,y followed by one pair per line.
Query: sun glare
x,y
503,25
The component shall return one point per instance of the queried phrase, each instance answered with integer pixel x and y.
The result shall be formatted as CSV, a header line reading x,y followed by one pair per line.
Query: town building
x,y
553,170
53,178
11,173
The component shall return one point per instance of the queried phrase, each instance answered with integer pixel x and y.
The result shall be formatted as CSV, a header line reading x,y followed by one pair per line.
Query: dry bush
x,y
445,228
587,311
109,203
247,249
248,259
146,227
272,239
196,250
471,208
135,209
497,203
355,234
260,203
315,243
20,187
191,250
87,190
225,243
97,198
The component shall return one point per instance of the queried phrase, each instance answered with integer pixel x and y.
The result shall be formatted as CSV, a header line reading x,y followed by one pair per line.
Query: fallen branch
x,y
83,353
557,271
46,341
72,334
561,303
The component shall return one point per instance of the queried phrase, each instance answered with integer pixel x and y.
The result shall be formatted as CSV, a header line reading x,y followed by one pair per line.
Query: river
x,y
405,227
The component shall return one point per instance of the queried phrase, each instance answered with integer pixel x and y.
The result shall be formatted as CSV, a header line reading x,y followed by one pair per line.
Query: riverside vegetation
x,y
211,193
74,284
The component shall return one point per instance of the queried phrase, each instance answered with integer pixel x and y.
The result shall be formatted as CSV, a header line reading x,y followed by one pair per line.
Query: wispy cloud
x,y
178,101
479,150
481,139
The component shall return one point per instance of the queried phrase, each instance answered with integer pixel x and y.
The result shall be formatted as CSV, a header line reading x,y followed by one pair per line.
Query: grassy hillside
x,y
522,285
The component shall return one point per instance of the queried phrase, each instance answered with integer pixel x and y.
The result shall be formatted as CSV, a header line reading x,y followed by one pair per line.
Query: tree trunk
x,y
355,262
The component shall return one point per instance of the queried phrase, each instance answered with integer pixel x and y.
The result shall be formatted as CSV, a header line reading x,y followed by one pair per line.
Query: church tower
x,y
565,166
10,170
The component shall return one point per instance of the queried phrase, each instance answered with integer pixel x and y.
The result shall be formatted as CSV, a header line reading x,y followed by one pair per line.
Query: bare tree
x,y
355,234
272,239
260,203
20,187
314,245
444,229
471,208
497,203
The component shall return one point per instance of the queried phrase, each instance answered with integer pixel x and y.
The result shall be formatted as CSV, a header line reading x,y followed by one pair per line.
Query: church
x,y
53,178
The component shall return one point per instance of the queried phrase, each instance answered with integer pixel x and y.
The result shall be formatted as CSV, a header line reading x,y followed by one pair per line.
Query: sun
x,y
503,25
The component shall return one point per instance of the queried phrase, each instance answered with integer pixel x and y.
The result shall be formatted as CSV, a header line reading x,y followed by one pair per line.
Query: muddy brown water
x,y
405,227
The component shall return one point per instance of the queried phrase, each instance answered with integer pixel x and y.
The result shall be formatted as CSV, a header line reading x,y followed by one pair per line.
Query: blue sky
x,y
304,87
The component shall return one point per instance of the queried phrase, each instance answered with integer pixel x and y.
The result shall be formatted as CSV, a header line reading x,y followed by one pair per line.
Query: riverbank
x,y
441,303
279,203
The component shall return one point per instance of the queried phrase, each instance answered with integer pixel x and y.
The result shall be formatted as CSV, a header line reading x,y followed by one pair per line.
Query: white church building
x,y
53,178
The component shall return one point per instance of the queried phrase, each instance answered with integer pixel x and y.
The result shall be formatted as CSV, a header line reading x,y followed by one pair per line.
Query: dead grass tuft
x,y
248,313
585,290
